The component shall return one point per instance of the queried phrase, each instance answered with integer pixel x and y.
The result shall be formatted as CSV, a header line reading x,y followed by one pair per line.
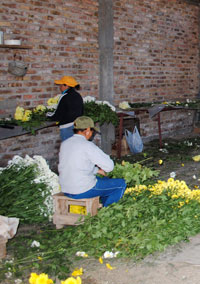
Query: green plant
x,y
133,173
26,186
101,113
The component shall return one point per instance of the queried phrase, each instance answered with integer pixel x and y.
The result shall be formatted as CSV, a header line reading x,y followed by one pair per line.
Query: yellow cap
x,y
67,80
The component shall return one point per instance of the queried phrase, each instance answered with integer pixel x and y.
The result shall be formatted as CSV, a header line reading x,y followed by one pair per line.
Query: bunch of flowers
x,y
27,115
187,103
44,279
52,102
26,189
174,188
100,111
29,119
124,105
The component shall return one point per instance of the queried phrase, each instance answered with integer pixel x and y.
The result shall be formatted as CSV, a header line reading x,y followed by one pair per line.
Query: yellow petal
x,y
78,280
196,158
101,260
109,266
77,272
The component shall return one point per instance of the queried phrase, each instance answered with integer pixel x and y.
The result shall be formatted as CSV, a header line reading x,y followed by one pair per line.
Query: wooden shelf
x,y
15,46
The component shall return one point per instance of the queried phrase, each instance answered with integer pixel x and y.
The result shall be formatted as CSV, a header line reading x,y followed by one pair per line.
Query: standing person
x,y
70,106
79,162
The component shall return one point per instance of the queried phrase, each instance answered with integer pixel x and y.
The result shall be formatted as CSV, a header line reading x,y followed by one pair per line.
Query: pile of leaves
x,y
133,173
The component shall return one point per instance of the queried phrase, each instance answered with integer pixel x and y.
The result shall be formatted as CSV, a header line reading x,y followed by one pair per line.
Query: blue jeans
x,y
110,190
66,133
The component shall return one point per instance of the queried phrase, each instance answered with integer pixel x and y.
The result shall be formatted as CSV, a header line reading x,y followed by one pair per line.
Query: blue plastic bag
x,y
134,141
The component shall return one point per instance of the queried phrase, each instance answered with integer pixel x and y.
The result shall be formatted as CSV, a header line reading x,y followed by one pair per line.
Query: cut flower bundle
x,y
29,119
26,188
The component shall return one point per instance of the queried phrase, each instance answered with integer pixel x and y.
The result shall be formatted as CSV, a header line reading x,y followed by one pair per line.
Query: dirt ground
x,y
178,264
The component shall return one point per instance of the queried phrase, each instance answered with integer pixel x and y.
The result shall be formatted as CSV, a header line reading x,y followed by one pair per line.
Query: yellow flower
x,y
39,257
27,115
43,279
123,163
181,204
77,272
101,260
177,102
182,165
40,108
19,113
160,162
53,101
165,103
196,158
33,277
72,280
109,266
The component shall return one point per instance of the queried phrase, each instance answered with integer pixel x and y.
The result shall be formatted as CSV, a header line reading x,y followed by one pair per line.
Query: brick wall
x,y
63,39
156,55
46,143
156,50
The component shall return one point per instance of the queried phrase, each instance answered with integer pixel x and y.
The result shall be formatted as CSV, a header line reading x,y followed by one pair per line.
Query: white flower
x,y
35,244
110,254
163,150
43,175
18,281
81,253
188,143
124,105
172,174
194,177
109,104
106,103
88,99
8,274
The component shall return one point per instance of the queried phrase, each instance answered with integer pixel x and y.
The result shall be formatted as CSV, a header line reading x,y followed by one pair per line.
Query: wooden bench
x,y
63,206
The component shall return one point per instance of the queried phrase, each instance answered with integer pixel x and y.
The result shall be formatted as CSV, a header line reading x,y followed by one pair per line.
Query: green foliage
x,y
101,113
136,226
133,173
20,196
52,257
37,119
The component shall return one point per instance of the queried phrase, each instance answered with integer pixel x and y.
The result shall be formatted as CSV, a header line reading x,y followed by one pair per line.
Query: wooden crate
x,y
3,242
62,215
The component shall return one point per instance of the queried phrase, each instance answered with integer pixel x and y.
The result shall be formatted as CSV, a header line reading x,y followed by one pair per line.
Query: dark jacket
x,y
70,106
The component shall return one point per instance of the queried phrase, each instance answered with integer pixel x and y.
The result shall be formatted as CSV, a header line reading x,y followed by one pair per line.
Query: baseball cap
x,y
83,122
67,80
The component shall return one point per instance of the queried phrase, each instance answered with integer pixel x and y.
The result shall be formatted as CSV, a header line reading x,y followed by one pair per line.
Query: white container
x,y
12,41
